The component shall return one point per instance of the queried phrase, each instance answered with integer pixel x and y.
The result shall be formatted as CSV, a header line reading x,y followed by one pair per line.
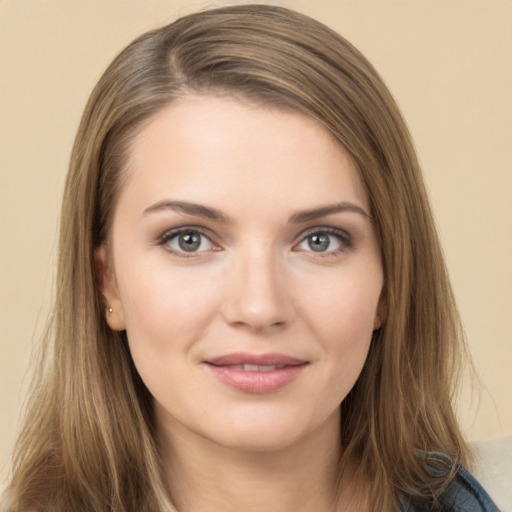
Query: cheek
x,y
342,314
344,303
166,309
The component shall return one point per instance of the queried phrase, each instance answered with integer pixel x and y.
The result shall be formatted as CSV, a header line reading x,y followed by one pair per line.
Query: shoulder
x,y
493,469
464,494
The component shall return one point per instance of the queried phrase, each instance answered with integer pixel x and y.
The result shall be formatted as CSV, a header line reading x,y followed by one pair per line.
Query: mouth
x,y
256,374
255,367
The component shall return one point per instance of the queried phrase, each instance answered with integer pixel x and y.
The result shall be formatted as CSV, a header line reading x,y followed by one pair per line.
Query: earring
x,y
110,310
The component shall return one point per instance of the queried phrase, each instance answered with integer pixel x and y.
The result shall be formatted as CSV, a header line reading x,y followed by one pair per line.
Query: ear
x,y
114,313
381,313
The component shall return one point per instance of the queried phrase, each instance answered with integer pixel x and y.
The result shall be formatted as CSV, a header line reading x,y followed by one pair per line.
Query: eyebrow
x,y
323,211
216,215
189,208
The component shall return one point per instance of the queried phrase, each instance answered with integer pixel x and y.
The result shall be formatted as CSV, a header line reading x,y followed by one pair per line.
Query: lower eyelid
x,y
345,241
344,238
172,234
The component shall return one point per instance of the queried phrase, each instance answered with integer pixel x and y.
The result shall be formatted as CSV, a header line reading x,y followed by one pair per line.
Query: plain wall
x,y
449,66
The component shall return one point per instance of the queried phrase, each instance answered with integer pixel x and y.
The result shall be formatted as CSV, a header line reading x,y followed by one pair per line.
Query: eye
x,y
186,241
325,241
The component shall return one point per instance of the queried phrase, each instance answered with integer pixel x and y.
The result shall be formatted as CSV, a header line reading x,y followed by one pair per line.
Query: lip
x,y
227,369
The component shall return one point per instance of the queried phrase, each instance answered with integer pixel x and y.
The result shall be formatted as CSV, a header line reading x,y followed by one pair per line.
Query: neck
x,y
204,476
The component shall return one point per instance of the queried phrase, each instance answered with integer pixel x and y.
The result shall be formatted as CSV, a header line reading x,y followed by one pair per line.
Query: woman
x,y
252,307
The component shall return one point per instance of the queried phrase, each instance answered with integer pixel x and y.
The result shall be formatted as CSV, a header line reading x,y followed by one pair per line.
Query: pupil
x,y
189,241
318,243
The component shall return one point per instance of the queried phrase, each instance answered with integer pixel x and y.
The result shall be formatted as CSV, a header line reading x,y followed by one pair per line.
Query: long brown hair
x,y
88,441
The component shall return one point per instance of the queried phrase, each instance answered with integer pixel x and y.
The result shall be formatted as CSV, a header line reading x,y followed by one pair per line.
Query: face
x,y
245,269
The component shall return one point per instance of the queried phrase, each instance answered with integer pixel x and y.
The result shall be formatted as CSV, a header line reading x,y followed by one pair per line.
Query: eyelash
x,y
344,238
174,233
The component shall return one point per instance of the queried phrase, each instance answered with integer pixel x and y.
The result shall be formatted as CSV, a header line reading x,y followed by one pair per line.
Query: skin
x,y
254,285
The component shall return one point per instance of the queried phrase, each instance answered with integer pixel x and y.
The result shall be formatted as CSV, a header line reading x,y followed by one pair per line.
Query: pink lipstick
x,y
257,374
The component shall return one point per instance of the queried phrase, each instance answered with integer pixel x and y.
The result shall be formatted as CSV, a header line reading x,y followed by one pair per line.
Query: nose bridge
x,y
257,296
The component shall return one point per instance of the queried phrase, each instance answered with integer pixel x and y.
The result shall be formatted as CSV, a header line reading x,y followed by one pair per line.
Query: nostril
x,y
269,314
257,325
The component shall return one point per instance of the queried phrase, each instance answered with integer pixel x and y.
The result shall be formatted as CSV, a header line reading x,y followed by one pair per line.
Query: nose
x,y
257,296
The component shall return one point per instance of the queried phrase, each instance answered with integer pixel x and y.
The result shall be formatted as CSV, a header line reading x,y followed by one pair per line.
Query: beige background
x,y
449,65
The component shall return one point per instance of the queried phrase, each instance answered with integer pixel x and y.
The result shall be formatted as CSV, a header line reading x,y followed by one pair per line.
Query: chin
x,y
257,431
259,441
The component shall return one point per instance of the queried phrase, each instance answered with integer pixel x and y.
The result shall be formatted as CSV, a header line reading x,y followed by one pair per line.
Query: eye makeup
x,y
188,242
193,241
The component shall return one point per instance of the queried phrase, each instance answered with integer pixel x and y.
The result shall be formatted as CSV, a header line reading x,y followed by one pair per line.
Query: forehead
x,y
226,150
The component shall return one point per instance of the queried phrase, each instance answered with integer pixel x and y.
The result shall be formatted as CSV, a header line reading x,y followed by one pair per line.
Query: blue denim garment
x,y
464,494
